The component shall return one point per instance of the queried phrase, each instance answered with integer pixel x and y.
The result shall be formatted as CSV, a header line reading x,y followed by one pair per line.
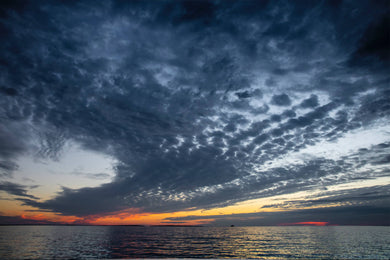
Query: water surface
x,y
21,242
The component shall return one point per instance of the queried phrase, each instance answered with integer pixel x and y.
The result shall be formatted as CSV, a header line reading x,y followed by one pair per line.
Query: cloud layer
x,y
196,100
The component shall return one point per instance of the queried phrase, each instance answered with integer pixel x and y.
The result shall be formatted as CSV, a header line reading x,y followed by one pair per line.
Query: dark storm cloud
x,y
310,102
16,189
9,91
7,167
16,220
378,196
374,43
281,100
377,155
174,91
10,143
11,146
357,206
348,215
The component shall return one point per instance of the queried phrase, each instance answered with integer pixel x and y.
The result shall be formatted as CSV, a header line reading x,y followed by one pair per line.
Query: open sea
x,y
329,242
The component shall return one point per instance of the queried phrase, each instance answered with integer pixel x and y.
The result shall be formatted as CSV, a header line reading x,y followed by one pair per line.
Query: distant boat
x,y
231,225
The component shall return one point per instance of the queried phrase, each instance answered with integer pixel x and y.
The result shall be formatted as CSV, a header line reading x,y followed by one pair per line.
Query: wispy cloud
x,y
17,189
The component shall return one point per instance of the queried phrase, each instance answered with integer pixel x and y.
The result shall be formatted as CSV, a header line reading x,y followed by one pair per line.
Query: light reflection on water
x,y
21,242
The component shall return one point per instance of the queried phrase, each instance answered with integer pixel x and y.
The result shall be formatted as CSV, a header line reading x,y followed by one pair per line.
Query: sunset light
x,y
307,223
194,129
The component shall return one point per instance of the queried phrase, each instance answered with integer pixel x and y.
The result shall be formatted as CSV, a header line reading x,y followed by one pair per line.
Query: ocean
x,y
308,242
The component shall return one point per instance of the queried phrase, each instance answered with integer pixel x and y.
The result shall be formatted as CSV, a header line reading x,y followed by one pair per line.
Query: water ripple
x,y
64,242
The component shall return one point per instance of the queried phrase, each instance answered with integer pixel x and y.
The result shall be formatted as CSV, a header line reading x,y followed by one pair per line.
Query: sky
x,y
195,112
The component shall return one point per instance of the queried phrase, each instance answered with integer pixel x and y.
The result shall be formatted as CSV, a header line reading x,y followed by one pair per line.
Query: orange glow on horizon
x,y
136,216
306,223
51,218
126,217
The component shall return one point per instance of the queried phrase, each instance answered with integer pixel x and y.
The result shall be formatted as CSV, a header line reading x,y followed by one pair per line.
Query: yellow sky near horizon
x,y
137,217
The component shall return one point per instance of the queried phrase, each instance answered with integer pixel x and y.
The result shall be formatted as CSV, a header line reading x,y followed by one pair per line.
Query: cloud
x,y
281,100
348,215
312,101
374,43
190,125
16,220
16,189
8,91
359,197
10,143
7,167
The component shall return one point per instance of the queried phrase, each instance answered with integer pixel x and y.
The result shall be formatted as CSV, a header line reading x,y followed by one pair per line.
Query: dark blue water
x,y
21,242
